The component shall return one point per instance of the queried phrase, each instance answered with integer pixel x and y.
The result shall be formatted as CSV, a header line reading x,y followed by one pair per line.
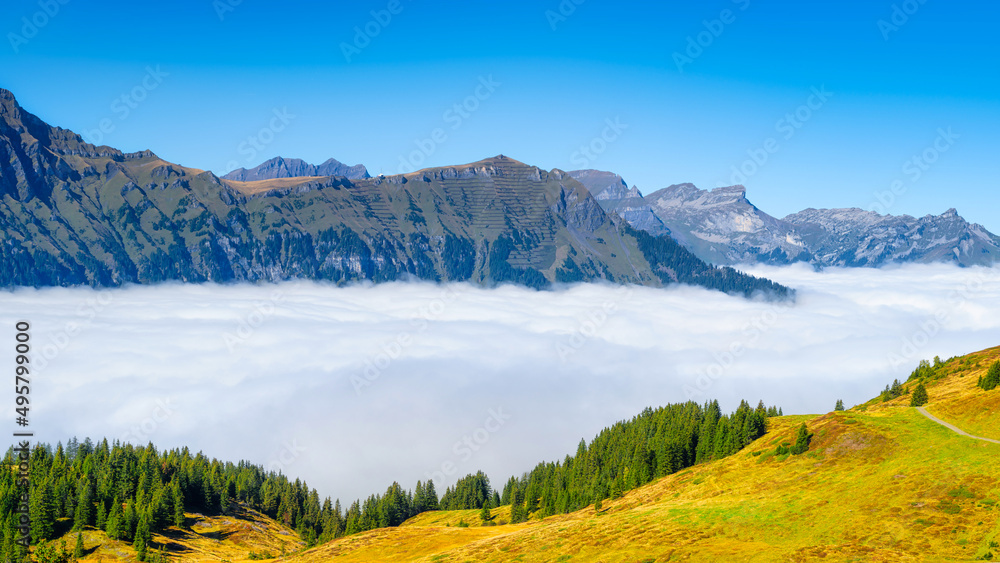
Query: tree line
x,y
620,458
131,492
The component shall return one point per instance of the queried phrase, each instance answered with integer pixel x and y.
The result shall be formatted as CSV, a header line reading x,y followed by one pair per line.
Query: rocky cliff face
x,y
722,226
73,213
854,237
293,167
614,195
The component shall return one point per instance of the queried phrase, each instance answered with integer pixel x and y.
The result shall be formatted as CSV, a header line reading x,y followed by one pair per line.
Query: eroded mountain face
x,y
721,226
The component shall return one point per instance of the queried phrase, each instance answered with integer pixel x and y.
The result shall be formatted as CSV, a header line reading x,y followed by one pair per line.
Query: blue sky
x,y
665,93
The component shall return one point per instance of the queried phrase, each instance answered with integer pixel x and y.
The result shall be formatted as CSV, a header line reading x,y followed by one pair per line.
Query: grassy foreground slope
x,y
879,483
203,538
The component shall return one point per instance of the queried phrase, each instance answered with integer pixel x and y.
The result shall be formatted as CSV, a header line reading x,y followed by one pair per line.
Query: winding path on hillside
x,y
953,428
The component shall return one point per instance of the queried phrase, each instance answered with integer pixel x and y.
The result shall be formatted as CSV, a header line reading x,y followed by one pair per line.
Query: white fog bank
x,y
354,388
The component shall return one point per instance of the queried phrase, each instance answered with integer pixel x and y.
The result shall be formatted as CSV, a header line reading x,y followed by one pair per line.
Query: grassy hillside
x,y
202,538
879,483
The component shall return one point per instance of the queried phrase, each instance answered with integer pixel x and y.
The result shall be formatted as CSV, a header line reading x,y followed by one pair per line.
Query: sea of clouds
x,y
353,388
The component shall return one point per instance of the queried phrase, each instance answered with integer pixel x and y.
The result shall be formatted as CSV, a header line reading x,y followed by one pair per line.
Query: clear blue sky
x,y
557,79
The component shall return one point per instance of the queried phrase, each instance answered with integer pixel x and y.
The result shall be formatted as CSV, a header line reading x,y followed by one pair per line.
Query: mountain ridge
x,y
280,167
722,226
73,213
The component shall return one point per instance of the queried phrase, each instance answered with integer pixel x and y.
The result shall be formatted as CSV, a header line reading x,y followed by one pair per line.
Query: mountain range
x,y
721,226
73,213
293,167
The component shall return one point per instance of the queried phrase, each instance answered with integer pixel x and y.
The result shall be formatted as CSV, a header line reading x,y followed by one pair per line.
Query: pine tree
x,y
142,537
84,508
177,500
42,512
840,405
484,514
78,550
129,521
102,516
114,524
992,379
802,440
919,397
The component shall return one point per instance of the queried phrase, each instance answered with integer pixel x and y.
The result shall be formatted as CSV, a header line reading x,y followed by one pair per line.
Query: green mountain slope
x,y
73,213
879,482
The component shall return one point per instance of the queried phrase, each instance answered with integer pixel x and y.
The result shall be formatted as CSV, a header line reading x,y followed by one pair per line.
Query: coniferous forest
x,y
132,491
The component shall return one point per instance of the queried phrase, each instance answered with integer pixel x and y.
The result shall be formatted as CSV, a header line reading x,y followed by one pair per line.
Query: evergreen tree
x,y
42,512
84,508
484,514
129,521
102,516
113,527
78,550
802,440
177,502
142,537
840,405
992,378
919,397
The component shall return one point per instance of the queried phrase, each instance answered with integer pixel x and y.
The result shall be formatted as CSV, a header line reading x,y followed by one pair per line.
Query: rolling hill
x,y
880,482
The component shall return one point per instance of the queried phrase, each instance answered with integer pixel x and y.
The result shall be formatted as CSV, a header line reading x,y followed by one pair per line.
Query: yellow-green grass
x,y
882,484
458,518
957,399
203,538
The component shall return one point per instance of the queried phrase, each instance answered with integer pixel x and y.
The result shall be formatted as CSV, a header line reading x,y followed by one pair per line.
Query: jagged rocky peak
x,y
280,167
603,185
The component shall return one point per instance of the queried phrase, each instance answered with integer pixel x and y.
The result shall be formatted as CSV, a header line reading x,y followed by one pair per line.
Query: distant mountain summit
x,y
74,213
721,226
615,195
293,167
854,237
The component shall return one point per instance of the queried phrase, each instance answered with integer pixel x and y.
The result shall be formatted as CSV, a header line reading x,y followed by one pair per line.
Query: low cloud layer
x,y
353,388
